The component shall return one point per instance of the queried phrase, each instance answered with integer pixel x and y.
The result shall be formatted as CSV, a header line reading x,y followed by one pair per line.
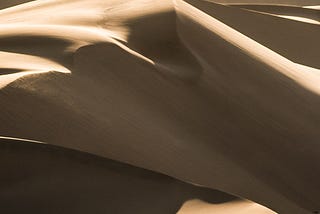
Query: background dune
x,y
221,96
307,15
276,2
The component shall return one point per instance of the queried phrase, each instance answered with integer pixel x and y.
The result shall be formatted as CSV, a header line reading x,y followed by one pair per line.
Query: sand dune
x,y
241,207
9,3
222,96
25,65
47,179
273,2
316,7
304,14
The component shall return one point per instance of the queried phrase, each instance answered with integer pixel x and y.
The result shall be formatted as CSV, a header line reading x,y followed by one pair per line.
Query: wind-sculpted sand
x,y
222,96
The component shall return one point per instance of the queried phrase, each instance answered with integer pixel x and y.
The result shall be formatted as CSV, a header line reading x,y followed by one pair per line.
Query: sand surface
x,y
55,180
223,96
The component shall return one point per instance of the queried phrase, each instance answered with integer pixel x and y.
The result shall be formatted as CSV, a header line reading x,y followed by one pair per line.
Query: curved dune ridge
x,y
223,95
117,187
76,178
303,14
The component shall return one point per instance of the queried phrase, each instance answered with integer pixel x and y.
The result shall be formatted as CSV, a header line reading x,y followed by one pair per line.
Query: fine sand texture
x,y
48,179
222,96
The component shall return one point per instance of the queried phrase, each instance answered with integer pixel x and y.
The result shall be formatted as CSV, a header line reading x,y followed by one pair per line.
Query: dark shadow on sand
x,y
38,178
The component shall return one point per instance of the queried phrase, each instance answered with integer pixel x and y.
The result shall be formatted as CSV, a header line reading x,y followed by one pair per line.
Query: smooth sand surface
x,y
274,2
9,3
47,179
304,14
242,207
221,96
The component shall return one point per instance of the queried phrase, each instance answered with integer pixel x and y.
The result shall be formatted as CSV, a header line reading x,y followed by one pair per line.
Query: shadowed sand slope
x,y
209,94
10,3
286,37
48,179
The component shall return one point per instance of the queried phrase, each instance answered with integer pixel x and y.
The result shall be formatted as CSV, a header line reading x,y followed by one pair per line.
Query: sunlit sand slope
x,y
214,95
241,207
274,2
308,15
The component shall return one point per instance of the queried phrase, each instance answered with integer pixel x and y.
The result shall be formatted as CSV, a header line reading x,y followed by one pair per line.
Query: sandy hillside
x,y
56,180
217,95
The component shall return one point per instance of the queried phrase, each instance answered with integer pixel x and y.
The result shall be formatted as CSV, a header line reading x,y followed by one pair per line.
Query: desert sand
x,y
56,180
217,97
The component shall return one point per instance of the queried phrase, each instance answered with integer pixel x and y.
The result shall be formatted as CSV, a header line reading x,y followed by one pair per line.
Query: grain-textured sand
x,y
40,178
217,95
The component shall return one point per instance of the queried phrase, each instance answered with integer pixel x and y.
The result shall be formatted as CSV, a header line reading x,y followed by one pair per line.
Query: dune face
x,y
9,3
242,207
308,15
221,96
272,2
56,180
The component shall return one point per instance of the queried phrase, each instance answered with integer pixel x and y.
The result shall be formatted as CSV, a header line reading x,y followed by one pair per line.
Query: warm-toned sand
x,y
239,207
47,179
304,14
222,96
274,2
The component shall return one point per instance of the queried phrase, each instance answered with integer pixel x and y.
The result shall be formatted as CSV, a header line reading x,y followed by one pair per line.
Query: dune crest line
x,y
218,94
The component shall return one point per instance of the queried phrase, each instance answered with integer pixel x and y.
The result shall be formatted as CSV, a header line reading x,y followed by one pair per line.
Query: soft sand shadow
x,y
40,178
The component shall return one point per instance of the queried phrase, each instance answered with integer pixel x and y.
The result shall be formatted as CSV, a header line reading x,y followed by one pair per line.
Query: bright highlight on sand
x,y
184,88
307,76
